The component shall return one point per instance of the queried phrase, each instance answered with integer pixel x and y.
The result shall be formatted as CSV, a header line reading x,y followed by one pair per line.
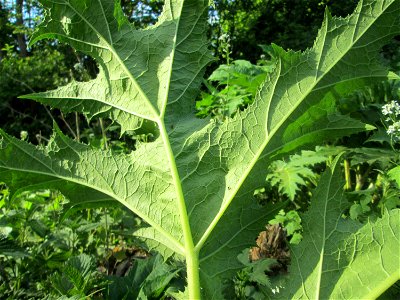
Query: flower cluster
x,y
391,109
393,129
392,113
225,47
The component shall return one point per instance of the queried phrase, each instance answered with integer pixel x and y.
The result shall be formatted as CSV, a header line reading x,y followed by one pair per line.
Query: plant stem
x,y
347,187
106,228
359,179
103,133
78,135
193,277
69,127
191,254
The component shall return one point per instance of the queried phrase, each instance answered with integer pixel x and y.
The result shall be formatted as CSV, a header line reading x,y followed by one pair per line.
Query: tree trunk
x,y
23,52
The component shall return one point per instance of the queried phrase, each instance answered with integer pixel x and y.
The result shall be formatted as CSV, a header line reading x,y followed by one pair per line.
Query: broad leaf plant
x,y
193,184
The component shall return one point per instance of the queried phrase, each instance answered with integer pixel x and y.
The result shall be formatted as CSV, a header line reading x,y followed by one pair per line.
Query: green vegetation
x,y
142,192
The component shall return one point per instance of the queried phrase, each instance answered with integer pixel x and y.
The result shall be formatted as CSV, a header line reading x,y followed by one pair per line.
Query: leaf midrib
x,y
113,105
180,199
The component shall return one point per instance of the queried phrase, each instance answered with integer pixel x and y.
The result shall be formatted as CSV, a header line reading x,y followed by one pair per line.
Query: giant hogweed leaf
x,y
194,183
122,177
140,70
340,258
344,57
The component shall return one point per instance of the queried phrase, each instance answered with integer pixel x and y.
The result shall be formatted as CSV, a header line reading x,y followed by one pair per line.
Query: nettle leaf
x,y
288,176
194,183
339,258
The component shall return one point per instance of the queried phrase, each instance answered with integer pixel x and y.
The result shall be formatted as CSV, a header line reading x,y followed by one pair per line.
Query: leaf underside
x,y
197,173
362,260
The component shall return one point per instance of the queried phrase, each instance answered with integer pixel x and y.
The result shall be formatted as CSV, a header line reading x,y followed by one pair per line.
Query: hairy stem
x,y
69,127
193,277
347,186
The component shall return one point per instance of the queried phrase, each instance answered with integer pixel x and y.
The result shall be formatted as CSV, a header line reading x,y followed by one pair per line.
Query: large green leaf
x,y
141,71
193,185
340,258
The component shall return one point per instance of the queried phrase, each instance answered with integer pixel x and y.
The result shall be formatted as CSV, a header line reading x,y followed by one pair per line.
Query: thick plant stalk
x,y
192,260
193,278
347,175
